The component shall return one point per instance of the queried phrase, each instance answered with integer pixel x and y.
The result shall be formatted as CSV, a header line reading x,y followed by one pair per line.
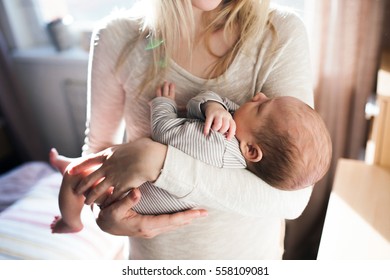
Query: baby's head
x,y
284,141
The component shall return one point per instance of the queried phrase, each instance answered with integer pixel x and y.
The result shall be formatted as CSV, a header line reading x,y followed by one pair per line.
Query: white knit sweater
x,y
246,216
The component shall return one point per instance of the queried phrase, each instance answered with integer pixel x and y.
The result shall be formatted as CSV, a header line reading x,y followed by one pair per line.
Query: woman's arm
x,y
228,189
106,97
118,220
131,164
105,127
126,165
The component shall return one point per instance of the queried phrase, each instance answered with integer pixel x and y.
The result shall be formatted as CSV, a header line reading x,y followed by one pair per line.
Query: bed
x,y
28,204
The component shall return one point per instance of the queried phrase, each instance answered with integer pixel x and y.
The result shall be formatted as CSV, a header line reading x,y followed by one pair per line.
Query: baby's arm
x,y
65,165
215,111
70,203
59,162
217,116
164,120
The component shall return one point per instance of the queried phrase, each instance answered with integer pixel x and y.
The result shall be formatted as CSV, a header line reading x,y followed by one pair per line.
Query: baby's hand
x,y
219,119
167,90
59,162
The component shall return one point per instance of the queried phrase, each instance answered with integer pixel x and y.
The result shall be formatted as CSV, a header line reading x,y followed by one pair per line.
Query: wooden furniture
x,y
357,223
378,151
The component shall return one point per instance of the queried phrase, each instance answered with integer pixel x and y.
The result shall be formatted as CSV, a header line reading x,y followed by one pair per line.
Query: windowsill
x,y
49,54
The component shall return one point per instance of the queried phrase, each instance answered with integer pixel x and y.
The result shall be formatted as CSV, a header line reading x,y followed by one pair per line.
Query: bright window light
x,y
80,10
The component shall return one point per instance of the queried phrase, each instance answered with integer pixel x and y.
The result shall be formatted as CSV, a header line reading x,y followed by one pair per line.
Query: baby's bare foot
x,y
59,226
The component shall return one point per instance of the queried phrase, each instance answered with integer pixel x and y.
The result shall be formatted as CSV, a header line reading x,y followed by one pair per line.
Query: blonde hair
x,y
166,22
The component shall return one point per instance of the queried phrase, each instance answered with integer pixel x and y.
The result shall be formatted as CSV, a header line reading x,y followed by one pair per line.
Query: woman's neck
x,y
198,22
203,54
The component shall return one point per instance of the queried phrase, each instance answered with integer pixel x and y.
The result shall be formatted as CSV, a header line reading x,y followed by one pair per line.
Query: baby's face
x,y
252,113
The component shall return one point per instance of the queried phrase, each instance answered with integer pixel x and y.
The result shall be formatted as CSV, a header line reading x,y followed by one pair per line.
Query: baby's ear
x,y
251,152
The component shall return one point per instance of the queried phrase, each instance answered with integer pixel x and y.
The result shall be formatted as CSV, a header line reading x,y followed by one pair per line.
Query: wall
x,y
54,86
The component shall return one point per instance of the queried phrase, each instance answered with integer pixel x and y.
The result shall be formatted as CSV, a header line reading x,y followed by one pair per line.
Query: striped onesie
x,y
186,134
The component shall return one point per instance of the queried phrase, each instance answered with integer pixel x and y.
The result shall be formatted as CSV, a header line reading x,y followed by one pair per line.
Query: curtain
x,y
345,40
22,128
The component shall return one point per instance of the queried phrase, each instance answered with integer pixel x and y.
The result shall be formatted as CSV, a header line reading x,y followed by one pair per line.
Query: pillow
x,y
25,230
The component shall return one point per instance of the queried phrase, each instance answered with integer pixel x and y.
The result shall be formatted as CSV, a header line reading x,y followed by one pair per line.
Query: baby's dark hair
x,y
278,154
293,157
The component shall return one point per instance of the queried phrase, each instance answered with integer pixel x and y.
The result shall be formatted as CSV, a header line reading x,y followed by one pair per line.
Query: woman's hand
x,y
119,219
123,167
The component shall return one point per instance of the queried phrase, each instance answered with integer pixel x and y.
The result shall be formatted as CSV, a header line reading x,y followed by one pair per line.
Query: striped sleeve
x,y
185,134
194,105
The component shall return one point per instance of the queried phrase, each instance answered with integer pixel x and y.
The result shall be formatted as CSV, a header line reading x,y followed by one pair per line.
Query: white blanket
x,y
25,225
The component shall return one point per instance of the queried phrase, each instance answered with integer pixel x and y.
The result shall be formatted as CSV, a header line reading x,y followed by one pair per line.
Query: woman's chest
x,y
205,54
236,84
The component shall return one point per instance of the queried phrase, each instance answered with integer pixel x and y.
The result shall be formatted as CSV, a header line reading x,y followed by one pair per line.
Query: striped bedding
x,y
25,225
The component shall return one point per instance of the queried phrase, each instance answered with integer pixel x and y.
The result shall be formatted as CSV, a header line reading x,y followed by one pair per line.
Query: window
x,y
80,10
24,21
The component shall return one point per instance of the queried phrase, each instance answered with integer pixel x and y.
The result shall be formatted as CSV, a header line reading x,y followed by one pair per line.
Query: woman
x,y
231,47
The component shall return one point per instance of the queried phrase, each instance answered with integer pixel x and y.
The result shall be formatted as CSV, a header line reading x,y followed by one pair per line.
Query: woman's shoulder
x,y
119,24
286,21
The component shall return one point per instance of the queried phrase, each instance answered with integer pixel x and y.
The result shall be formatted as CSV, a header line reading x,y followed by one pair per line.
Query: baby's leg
x,y
70,205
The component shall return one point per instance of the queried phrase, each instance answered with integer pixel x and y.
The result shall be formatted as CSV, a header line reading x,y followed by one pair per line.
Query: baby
x,y
282,140
281,133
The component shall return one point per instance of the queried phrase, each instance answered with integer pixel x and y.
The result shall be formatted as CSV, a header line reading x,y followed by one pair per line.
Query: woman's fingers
x,y
119,219
87,163
131,200
152,226
178,219
90,181
116,194
96,191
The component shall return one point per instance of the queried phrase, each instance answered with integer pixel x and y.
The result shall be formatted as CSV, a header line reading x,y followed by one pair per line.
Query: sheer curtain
x,y
346,38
